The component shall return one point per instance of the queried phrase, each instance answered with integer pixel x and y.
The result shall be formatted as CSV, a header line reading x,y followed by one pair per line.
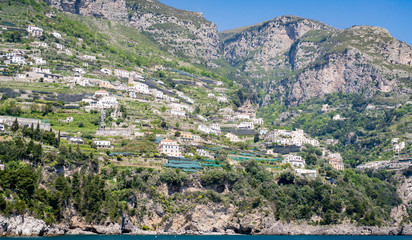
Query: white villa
x,y
232,137
102,144
121,73
35,31
295,161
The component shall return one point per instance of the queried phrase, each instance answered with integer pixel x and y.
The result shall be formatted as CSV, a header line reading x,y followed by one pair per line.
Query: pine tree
x,y
15,126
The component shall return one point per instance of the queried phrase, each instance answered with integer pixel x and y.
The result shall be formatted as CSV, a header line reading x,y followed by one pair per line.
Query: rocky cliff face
x,y
106,9
301,59
184,33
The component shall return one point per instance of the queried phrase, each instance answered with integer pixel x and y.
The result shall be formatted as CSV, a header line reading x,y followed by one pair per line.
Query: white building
x,y
121,73
107,102
204,129
79,70
181,107
258,121
18,59
398,147
306,172
106,71
76,140
141,87
102,144
2,128
57,35
232,137
222,99
210,95
101,93
337,117
170,148
177,113
242,116
35,31
59,46
295,161
203,153
39,61
246,125
157,94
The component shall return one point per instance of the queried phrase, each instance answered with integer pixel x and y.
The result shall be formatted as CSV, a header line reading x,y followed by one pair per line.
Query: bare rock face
x,y
269,40
21,226
180,32
183,33
301,59
106,9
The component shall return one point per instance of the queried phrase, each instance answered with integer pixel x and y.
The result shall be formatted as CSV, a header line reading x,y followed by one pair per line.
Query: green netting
x,y
211,165
240,159
247,154
207,160
183,164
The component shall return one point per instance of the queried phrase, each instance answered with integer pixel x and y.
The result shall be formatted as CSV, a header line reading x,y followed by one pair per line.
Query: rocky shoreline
x,y
28,226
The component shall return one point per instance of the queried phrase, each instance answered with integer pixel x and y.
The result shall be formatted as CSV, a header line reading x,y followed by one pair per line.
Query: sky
x,y
394,15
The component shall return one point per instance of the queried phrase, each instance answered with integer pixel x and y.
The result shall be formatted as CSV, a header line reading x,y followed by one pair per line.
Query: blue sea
x,y
219,237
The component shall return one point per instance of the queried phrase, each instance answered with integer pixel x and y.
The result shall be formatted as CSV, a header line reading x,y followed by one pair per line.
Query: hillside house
x,y
204,129
2,128
75,140
170,148
35,31
203,153
107,102
141,87
102,144
18,59
79,70
59,46
106,71
101,93
57,35
246,125
121,73
232,137
295,161
222,99
39,61
258,121
306,172
189,137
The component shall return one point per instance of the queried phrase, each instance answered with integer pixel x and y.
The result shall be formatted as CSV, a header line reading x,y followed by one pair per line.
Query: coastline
x,y
27,226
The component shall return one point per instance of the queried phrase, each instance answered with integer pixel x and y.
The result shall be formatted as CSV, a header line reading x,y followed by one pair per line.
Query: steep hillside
x,y
183,33
298,59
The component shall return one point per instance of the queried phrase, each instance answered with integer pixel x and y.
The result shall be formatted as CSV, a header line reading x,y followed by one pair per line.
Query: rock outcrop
x,y
22,225
114,10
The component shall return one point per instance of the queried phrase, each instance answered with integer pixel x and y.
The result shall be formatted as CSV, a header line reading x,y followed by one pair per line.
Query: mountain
x,y
299,59
135,117
183,33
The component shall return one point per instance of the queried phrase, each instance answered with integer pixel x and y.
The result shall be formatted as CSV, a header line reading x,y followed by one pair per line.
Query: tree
x,y
177,134
256,138
15,126
163,124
